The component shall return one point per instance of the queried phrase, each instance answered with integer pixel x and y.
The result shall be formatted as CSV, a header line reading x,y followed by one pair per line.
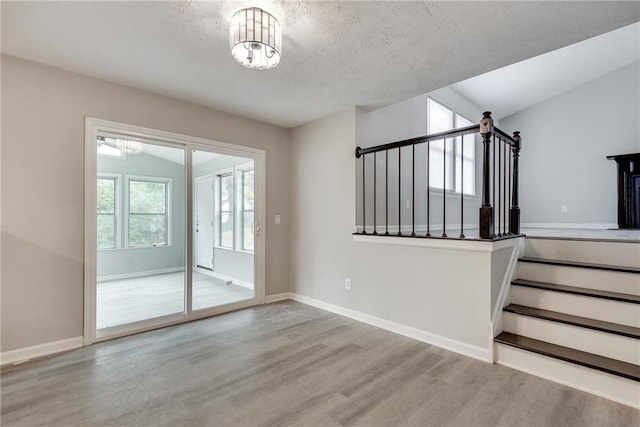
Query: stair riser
x,y
612,281
612,253
578,305
589,340
590,380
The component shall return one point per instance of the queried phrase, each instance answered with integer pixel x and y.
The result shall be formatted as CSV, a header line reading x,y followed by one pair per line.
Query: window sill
x,y
449,193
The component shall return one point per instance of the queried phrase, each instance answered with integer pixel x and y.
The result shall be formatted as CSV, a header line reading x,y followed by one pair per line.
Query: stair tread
x,y
569,319
565,263
578,290
589,360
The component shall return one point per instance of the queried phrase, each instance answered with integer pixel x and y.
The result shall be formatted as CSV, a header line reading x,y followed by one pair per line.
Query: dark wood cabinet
x,y
628,189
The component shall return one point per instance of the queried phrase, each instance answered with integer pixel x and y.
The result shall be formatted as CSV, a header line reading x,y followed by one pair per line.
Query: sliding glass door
x,y
173,229
141,223
224,204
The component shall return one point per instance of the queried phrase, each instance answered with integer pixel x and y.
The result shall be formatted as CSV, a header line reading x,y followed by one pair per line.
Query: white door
x,y
204,222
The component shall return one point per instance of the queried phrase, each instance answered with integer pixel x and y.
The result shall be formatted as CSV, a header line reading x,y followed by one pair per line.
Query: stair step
x,y
600,363
615,296
593,266
611,281
569,319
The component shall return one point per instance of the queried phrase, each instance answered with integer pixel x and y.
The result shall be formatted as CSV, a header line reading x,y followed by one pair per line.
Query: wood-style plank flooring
x,y
140,298
286,364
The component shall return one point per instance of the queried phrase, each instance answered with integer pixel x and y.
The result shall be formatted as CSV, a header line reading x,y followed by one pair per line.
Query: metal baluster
x,y
499,195
399,192
375,192
386,193
510,189
504,191
493,166
462,187
413,190
444,188
364,199
428,188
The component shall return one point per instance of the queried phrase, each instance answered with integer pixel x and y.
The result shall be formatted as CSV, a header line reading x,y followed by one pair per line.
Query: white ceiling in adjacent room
x,y
335,54
515,87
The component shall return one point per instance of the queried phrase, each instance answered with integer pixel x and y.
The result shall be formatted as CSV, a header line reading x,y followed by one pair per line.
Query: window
x,y
247,209
225,214
148,214
235,208
106,207
451,163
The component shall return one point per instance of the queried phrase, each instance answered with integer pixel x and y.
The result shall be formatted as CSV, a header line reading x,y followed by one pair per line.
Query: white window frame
x,y
168,189
239,223
117,208
218,175
452,164
236,172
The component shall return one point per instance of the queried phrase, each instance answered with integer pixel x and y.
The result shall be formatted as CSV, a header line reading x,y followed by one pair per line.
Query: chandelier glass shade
x,y
255,38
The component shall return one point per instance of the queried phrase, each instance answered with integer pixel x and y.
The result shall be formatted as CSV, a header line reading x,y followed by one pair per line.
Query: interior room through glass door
x,y
141,232
224,228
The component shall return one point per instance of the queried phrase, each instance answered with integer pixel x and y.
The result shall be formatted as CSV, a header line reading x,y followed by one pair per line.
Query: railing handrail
x,y
420,139
434,137
508,139
500,153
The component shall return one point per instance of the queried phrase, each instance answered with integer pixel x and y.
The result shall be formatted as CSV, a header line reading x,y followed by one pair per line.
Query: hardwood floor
x,y
286,364
130,300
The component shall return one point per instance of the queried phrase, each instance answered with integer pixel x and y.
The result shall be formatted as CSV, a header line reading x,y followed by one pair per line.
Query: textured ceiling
x,y
335,54
536,79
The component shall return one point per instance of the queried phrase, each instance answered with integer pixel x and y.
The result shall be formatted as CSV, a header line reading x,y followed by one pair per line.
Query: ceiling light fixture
x,y
255,38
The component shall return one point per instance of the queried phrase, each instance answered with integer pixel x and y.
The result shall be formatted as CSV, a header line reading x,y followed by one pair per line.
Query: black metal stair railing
x,y
499,213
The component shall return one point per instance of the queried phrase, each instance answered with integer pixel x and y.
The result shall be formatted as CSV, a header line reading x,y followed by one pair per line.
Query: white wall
x,y
418,287
43,112
565,142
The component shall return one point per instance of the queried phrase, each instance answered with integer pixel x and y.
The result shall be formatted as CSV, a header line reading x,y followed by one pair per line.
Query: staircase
x,y
574,316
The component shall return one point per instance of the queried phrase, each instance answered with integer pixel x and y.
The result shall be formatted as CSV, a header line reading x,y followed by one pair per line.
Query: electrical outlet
x,y
563,208
347,284
277,219
406,204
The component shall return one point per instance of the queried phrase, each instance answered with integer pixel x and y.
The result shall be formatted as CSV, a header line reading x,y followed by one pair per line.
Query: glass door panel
x,y
223,268
141,231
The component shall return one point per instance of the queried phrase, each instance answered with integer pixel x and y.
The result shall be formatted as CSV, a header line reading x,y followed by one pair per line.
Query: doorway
x,y
172,228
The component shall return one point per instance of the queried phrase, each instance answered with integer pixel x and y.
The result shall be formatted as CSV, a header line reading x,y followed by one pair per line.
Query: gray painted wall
x,y
565,142
138,260
43,113
412,286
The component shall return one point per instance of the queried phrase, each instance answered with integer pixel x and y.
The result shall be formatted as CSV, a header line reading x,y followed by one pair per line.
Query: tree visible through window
x,y
148,208
106,208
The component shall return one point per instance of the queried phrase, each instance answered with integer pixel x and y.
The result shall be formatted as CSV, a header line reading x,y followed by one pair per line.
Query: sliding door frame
x,y
95,127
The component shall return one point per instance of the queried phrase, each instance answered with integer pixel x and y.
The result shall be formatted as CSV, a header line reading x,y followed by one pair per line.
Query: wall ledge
x,y
486,246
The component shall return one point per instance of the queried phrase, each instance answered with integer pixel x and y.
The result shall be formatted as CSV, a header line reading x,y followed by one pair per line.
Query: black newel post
x,y
486,210
514,218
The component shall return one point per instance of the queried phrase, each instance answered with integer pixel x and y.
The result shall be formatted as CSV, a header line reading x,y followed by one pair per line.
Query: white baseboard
x,y
22,355
590,226
277,297
417,334
139,274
